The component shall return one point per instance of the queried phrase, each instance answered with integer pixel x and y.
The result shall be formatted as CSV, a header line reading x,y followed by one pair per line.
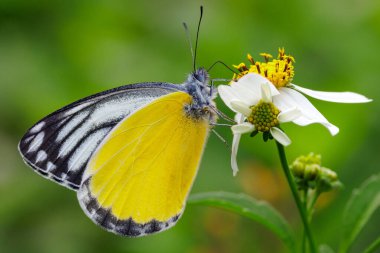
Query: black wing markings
x,y
46,156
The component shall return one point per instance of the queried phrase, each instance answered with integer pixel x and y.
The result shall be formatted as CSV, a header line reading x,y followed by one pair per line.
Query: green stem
x,y
312,204
374,246
292,185
305,193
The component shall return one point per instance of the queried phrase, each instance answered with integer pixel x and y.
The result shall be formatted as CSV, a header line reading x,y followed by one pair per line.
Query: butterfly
x,y
131,153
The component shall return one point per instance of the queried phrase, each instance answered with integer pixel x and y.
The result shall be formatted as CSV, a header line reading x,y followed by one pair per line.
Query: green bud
x,y
309,174
312,171
331,175
297,169
328,180
306,166
312,158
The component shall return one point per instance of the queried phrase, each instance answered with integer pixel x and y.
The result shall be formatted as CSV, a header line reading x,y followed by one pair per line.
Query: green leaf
x,y
251,208
373,246
325,249
362,204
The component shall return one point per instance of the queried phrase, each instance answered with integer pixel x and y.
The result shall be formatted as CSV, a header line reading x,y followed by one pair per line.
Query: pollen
x,y
279,71
243,70
264,116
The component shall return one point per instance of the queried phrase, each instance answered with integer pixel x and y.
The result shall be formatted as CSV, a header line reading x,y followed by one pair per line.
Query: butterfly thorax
x,y
202,106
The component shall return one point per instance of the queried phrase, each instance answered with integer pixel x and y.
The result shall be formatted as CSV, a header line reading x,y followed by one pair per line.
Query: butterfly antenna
x,y
189,40
196,40
222,115
222,139
225,65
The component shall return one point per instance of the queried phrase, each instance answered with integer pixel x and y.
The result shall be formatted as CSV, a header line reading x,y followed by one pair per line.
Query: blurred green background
x,y
55,52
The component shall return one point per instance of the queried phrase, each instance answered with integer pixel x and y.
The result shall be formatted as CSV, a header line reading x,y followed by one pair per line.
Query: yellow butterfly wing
x,y
138,180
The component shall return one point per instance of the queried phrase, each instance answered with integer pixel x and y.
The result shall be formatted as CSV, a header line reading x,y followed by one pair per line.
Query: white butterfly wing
x,y
60,145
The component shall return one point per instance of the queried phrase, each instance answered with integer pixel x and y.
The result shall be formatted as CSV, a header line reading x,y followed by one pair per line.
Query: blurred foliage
x,y
254,209
55,52
359,209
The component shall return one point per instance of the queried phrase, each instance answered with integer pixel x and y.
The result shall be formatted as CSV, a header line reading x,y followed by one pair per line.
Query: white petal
x,y
254,81
304,121
243,128
231,92
266,94
250,90
239,118
289,115
338,97
280,136
241,107
235,145
225,94
290,98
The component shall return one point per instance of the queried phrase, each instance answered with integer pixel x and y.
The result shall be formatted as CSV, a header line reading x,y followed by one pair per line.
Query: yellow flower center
x,y
278,71
264,116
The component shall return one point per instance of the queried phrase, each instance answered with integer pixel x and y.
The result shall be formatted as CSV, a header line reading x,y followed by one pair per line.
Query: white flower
x,y
255,111
270,81
275,116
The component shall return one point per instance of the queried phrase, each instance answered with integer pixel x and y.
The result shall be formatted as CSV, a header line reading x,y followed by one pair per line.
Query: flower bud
x,y
312,171
309,174
331,175
306,167
297,169
328,180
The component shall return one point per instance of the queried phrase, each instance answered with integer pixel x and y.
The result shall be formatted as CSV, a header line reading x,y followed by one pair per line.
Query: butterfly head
x,y
203,95
199,75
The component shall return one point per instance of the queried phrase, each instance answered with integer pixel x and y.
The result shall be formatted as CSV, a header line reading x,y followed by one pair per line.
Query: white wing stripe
x,y
71,124
28,139
107,112
41,156
36,143
37,127
78,108
50,166
83,152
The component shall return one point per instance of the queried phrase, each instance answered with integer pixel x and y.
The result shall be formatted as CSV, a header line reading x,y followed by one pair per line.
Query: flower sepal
x,y
267,136
254,133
